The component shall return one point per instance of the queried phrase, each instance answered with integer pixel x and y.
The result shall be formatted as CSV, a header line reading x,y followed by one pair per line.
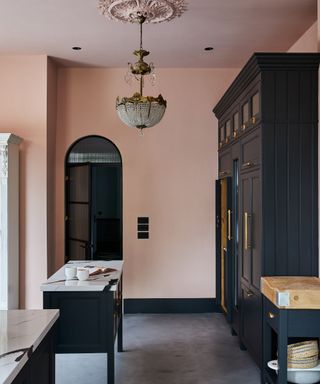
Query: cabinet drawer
x,y
271,313
250,151
225,164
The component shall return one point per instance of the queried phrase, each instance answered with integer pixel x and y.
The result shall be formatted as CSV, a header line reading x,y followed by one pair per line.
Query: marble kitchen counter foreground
x,y
21,331
58,282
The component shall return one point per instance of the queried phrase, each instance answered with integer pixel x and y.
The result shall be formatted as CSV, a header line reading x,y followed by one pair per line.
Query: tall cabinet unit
x,y
268,121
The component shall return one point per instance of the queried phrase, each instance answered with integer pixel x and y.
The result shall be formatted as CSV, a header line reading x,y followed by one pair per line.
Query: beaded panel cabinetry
x,y
268,138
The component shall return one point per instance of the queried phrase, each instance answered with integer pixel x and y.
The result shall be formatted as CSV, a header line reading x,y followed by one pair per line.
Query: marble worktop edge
x,y
28,329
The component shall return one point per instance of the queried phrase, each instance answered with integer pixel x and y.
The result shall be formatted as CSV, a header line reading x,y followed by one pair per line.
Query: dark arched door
x,y
93,200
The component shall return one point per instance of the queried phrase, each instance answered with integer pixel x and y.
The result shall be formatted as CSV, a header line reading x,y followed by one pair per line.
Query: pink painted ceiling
x,y
235,28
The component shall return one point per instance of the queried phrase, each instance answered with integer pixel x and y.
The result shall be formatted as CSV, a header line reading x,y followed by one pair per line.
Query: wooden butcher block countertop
x,y
292,292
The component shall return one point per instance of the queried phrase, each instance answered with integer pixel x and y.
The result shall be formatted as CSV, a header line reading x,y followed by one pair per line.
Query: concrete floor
x,y
167,349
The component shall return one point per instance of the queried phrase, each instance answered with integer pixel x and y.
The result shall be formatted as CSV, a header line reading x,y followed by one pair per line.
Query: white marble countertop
x,y
21,331
58,282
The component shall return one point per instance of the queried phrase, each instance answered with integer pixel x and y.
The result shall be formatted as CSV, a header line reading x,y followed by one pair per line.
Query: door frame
x,y
66,187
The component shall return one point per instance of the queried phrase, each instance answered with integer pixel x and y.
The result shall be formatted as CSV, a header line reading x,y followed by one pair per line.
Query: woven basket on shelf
x,y
303,355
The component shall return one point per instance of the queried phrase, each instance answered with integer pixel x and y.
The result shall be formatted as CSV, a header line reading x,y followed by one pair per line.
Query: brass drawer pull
x,y
248,164
249,293
253,119
243,126
271,315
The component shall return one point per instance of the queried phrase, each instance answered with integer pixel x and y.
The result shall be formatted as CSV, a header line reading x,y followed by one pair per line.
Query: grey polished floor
x,y
167,349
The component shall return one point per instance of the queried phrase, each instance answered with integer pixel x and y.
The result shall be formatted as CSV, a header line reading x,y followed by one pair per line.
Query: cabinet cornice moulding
x,y
258,64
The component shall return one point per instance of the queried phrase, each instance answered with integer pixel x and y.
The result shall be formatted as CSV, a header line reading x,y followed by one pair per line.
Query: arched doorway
x,y
93,191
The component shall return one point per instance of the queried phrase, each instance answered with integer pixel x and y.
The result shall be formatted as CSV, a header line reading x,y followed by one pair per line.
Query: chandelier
x,y
141,111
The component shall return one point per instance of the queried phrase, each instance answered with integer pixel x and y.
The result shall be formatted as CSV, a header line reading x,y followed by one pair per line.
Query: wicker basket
x,y
303,355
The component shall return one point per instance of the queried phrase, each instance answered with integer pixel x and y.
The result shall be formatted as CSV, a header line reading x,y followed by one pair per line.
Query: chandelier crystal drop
x,y
154,11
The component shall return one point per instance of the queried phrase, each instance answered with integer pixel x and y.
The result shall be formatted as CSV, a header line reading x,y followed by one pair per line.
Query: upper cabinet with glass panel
x,y
255,107
235,124
245,115
228,130
250,111
242,116
222,135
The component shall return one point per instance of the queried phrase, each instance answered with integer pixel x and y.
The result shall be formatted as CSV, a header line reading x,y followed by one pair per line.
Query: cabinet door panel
x,y
251,324
256,231
225,164
250,151
245,216
224,236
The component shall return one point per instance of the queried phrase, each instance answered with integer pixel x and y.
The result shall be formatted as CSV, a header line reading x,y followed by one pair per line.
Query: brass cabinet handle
x,y
248,164
243,126
271,315
253,119
249,293
247,229
235,133
229,224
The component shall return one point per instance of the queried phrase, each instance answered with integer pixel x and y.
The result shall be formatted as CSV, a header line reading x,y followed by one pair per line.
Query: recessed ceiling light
x,y
76,48
208,49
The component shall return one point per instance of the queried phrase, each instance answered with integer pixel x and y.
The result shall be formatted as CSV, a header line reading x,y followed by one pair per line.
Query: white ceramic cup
x,y
83,274
70,272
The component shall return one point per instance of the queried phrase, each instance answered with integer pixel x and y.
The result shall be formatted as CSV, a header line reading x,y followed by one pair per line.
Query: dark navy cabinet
x,y
40,368
89,322
271,156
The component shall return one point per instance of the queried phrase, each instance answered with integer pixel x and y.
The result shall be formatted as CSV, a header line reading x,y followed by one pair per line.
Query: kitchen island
x,y
291,309
90,311
26,346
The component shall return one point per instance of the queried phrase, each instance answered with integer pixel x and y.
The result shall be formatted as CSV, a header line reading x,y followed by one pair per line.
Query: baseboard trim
x,y
170,305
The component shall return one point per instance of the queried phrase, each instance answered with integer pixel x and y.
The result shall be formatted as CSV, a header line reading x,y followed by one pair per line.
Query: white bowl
x,y
299,375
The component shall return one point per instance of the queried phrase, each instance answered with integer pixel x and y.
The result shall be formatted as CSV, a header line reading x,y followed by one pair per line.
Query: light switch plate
x,y
283,299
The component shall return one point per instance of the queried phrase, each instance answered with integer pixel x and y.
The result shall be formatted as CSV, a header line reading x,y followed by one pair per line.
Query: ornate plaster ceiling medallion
x,y
154,11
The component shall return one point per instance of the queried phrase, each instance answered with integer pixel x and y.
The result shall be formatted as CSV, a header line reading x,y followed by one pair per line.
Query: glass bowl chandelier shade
x,y
141,112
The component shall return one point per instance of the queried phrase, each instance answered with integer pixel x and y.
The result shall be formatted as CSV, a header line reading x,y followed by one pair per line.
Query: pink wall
x,y
168,174
23,95
308,42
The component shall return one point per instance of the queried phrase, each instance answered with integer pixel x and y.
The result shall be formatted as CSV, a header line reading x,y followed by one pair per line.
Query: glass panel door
x,y
78,213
